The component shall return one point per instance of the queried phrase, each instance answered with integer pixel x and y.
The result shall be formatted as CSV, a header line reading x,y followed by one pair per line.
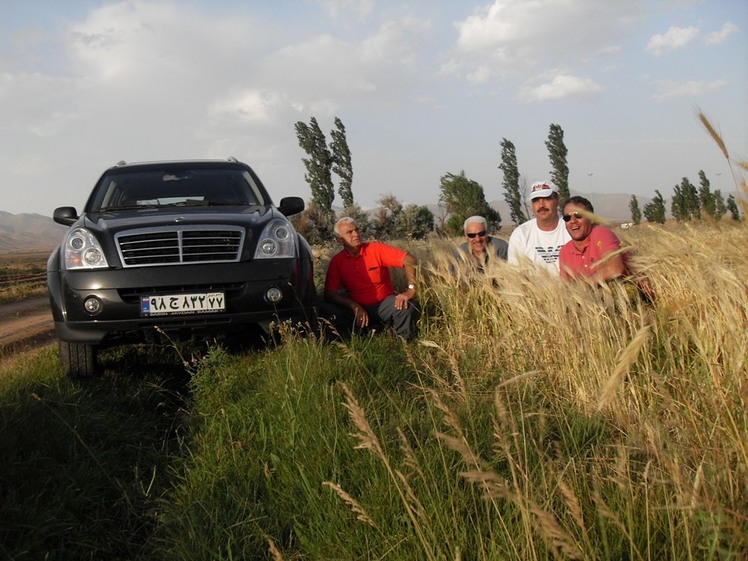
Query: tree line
x,y
688,203
460,196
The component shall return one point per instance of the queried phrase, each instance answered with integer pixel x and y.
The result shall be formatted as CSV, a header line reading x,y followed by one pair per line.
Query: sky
x,y
424,88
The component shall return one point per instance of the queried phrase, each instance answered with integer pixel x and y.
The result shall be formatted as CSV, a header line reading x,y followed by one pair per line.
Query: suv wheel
x,y
78,360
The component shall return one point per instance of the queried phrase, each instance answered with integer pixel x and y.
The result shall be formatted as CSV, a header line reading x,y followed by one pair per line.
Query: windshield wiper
x,y
124,207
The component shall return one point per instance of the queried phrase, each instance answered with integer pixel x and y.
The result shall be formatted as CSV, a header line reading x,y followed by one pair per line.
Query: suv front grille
x,y
180,245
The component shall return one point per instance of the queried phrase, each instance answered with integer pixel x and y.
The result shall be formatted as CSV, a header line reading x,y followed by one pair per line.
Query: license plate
x,y
179,304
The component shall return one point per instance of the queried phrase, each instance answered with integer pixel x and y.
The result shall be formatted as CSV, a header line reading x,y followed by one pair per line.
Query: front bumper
x,y
245,285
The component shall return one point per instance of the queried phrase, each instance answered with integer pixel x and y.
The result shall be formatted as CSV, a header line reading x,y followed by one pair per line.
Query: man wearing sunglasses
x,y
594,249
479,248
540,240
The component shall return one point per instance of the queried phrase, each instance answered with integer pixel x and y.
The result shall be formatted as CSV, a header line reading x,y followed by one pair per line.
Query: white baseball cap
x,y
542,189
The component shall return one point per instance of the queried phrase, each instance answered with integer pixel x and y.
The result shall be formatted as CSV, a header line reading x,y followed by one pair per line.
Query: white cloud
x,y
562,86
322,72
669,90
673,39
493,25
720,36
250,106
140,39
515,37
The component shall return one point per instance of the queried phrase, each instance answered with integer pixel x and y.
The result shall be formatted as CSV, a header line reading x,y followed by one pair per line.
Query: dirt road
x,y
25,324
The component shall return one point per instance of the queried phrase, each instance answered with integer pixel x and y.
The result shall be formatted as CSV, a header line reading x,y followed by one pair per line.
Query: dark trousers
x,y
402,321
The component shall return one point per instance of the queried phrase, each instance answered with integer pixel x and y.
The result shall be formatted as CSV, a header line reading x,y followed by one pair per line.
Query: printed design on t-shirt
x,y
548,254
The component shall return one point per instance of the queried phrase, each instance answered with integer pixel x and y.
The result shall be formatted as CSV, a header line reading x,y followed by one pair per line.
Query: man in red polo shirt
x,y
593,250
361,269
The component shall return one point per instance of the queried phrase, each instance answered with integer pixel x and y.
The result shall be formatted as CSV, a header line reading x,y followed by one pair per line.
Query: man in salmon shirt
x,y
361,270
594,249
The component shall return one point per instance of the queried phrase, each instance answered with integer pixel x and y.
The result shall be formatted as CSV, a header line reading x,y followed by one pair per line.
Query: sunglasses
x,y
479,234
576,215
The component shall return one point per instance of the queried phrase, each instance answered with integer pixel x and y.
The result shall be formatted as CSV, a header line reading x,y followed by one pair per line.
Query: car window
x,y
189,187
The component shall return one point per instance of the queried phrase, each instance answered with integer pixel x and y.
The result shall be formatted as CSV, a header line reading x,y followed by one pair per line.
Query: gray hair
x,y
474,219
344,220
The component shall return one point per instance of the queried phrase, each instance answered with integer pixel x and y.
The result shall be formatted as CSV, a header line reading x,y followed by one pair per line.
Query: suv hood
x,y
114,222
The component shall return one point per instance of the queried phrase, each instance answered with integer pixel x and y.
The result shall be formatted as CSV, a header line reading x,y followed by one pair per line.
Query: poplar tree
x,y
557,152
636,214
654,211
679,205
512,193
342,167
692,198
707,201
732,207
719,205
318,171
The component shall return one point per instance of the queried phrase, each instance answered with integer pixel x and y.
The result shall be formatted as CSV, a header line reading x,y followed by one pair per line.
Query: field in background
x,y
22,274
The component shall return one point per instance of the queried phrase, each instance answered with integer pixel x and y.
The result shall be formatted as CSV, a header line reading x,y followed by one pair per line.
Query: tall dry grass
x,y
533,419
616,425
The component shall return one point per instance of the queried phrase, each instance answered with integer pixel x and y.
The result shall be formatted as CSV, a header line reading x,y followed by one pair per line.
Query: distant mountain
x,y
28,232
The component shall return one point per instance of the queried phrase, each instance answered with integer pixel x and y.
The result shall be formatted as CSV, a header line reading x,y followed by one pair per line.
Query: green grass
x,y
84,468
532,420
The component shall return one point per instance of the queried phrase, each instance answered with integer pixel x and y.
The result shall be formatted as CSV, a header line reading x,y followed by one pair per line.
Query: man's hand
x,y
362,318
402,299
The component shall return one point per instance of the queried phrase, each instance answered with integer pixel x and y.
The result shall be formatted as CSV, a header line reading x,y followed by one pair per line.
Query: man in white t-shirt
x,y
540,240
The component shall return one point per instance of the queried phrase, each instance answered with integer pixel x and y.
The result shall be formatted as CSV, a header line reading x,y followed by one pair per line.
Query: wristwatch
x,y
411,287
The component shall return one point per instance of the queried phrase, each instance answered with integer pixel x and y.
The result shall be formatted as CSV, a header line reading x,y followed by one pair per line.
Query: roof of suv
x,y
169,164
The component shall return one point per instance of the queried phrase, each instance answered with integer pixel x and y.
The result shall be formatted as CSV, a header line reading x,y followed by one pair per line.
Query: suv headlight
x,y
276,240
83,251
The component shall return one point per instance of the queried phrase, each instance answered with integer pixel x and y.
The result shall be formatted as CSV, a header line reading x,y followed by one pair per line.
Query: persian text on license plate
x,y
172,304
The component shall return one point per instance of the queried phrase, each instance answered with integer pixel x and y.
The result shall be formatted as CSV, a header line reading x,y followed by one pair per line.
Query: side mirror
x,y
66,215
291,205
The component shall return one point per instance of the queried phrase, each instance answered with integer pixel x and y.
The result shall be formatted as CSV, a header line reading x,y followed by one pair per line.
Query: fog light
x,y
92,305
273,295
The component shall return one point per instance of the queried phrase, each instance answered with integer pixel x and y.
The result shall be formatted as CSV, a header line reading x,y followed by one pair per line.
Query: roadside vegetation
x,y
22,275
532,420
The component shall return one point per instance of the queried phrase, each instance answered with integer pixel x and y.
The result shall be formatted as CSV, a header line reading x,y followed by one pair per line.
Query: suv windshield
x,y
123,189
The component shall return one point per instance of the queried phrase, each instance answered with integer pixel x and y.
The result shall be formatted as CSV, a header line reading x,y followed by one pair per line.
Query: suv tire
x,y
78,359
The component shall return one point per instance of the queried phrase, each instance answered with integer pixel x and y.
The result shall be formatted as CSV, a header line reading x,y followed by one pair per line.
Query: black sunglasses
x,y
567,217
473,234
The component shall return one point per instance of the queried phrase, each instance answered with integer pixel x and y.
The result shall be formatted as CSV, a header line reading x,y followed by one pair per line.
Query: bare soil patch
x,y
25,325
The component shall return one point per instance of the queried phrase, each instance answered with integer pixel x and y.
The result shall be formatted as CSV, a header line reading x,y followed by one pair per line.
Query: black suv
x,y
176,248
